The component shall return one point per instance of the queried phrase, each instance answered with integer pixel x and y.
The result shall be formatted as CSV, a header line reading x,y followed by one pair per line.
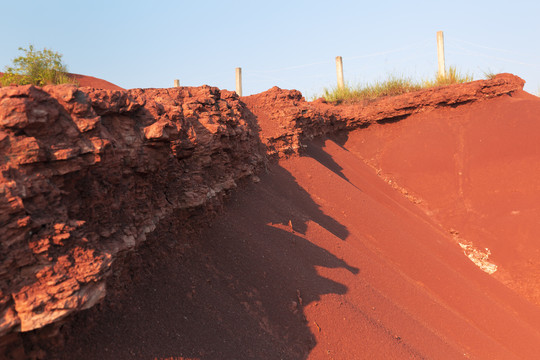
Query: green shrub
x,y
40,68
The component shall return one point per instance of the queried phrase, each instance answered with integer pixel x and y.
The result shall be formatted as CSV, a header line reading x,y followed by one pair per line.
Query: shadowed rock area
x,y
115,198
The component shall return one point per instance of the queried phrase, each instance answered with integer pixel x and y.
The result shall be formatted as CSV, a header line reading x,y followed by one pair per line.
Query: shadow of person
x,y
235,290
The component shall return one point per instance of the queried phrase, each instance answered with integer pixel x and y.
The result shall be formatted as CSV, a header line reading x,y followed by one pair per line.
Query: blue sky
x,y
290,44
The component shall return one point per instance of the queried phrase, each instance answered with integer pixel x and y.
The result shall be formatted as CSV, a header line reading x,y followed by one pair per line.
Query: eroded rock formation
x,y
286,118
86,174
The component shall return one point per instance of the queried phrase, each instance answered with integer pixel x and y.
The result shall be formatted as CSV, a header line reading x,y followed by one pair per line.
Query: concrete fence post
x,y
176,83
339,70
239,81
440,54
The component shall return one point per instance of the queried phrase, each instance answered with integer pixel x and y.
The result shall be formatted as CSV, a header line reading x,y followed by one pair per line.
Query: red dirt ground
x,y
475,169
328,258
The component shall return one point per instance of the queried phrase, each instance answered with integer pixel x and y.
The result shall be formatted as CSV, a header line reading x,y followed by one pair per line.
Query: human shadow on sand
x,y
235,290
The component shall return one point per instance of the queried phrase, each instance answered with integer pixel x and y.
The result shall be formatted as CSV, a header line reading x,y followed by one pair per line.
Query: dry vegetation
x,y
394,85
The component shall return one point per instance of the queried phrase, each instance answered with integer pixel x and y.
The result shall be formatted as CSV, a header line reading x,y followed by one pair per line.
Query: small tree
x,y
36,67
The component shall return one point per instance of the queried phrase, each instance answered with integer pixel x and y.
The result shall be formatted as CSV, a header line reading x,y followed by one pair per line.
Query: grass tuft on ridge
x,y
393,85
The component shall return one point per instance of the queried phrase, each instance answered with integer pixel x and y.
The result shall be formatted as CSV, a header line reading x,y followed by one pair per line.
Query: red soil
x,y
475,169
326,258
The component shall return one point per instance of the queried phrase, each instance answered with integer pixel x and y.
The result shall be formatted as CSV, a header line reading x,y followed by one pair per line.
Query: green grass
x,y
393,85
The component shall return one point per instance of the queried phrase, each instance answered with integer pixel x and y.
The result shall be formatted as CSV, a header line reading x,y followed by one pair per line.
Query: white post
x,y
176,83
239,81
339,69
440,54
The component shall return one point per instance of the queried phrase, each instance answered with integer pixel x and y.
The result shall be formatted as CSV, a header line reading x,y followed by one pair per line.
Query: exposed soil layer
x,y
286,119
112,195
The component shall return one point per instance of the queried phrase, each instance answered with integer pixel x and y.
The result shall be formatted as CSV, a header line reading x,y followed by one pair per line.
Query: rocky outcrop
x,y
86,174
286,118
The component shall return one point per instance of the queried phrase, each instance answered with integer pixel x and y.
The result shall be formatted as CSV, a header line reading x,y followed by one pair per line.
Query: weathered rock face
x,y
85,174
286,118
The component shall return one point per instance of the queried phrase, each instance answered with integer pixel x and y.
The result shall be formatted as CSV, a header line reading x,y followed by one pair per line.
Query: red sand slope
x,y
476,169
323,259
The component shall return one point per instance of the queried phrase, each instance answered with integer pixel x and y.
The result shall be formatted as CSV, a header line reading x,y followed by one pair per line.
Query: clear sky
x,y
290,44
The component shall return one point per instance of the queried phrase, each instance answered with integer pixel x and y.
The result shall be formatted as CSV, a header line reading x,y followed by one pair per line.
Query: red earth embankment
x,y
475,170
109,192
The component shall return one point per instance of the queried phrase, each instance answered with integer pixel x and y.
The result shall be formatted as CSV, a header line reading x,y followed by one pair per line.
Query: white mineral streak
x,y
479,257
